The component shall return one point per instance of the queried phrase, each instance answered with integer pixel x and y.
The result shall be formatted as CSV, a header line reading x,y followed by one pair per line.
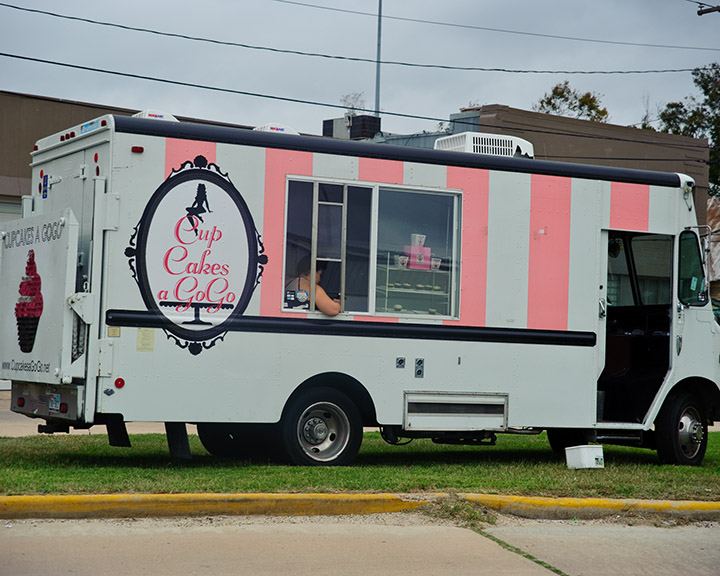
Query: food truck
x,y
168,272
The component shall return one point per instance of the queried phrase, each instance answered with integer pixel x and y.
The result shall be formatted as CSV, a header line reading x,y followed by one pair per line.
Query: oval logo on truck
x,y
196,255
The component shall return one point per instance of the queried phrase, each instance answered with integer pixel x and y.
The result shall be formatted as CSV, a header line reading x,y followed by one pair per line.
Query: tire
x,y
235,440
321,427
681,430
561,438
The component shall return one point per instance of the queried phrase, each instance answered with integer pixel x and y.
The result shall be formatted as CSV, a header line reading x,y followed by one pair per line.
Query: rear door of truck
x,y
47,303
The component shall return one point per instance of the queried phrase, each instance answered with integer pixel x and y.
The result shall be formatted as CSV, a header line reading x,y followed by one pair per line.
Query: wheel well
x,y
706,390
347,385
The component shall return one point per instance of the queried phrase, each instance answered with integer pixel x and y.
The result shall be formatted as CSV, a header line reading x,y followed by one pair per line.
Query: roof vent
x,y
490,144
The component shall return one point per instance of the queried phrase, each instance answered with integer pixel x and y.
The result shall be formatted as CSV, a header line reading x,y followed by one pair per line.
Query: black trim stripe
x,y
322,327
229,135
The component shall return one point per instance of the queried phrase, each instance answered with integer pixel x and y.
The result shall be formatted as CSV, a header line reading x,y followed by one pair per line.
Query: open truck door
x,y
38,265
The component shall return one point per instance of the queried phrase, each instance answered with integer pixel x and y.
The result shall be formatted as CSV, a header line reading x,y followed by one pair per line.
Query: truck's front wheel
x,y
681,430
321,426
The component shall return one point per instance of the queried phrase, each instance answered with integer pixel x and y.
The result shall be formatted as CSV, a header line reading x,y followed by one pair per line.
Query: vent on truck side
x,y
455,411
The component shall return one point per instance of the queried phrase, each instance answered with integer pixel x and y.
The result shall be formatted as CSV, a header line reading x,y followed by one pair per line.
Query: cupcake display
x,y
30,305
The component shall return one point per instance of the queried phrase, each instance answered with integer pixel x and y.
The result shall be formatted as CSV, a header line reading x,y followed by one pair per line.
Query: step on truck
x,y
161,273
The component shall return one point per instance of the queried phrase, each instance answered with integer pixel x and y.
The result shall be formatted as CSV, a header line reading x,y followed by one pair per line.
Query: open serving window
x,y
382,250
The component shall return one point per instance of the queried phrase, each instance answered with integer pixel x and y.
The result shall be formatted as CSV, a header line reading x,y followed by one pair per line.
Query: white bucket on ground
x,y
585,457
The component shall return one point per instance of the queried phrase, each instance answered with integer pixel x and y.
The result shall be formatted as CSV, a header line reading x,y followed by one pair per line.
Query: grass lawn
x,y
521,465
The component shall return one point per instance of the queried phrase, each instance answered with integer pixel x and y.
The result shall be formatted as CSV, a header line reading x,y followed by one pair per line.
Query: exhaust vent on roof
x,y
491,144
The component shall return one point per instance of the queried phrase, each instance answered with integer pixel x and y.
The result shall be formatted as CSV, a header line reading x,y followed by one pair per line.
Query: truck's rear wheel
x,y
234,440
321,426
681,430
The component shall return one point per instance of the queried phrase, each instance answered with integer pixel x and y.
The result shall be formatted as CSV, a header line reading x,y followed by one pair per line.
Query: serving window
x,y
328,229
383,250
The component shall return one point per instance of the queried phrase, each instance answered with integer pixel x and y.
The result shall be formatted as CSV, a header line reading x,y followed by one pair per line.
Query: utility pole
x,y
377,61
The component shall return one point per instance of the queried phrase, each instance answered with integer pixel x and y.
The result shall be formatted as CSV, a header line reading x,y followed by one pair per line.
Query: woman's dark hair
x,y
304,265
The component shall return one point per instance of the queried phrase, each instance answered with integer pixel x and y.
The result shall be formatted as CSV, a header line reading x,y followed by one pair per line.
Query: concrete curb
x,y
164,505
564,508
168,505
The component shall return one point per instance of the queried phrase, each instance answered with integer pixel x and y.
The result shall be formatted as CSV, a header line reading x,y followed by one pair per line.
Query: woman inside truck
x,y
301,286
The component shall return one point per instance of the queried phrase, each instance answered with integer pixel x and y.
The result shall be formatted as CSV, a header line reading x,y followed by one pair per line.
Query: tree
x,y
565,101
353,102
699,118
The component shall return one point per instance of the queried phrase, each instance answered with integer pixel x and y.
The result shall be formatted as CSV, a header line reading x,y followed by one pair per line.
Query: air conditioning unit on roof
x,y
155,115
275,127
491,144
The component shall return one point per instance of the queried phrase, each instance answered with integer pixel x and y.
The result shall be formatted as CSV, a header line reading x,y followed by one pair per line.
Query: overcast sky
x,y
514,35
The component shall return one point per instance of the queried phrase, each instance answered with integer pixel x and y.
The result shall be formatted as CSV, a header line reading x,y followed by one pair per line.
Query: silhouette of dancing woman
x,y
198,207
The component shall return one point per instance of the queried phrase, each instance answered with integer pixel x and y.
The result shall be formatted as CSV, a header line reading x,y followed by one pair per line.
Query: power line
x,y
500,30
322,104
345,58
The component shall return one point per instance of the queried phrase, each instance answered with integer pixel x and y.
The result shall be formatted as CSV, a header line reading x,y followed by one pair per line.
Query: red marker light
x,y
21,402
63,407
119,383
137,149
96,157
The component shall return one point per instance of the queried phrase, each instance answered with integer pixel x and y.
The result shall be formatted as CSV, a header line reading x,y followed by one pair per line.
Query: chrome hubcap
x,y
323,431
690,432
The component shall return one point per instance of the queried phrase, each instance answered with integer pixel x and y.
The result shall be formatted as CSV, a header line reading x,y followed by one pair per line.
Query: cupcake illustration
x,y
30,305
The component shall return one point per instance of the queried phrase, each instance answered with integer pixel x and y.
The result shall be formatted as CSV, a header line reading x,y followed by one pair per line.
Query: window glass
x,y
330,193
298,242
416,265
653,265
619,290
299,225
639,269
357,249
691,289
329,234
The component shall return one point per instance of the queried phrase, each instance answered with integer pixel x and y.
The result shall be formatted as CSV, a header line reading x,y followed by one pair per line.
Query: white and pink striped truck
x,y
168,272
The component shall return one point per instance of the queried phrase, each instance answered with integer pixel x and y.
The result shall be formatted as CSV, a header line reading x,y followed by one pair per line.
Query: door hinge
x,y
83,304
